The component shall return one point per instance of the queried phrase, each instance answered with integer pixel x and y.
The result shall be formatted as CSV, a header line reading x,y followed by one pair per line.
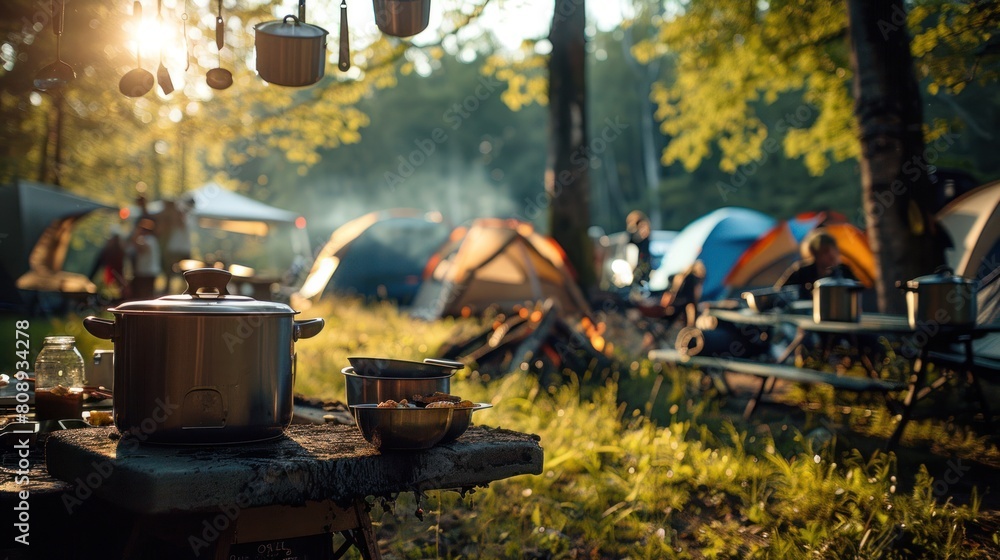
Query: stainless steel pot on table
x,y
204,366
836,298
942,298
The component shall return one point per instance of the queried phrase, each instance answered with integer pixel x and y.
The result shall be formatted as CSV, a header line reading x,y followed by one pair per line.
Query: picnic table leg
x,y
752,405
800,335
916,382
970,371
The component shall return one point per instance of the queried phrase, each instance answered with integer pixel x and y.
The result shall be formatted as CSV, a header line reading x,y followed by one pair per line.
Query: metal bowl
x,y
767,299
402,428
389,367
362,389
460,421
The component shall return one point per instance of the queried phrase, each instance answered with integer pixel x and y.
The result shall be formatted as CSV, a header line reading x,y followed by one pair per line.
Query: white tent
x,y
973,222
212,201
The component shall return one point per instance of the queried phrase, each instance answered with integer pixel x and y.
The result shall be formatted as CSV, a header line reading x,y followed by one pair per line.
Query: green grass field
x,y
648,463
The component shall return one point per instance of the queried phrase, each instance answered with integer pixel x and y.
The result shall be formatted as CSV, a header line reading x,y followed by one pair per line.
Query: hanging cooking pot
x,y
204,366
290,52
836,298
402,18
942,298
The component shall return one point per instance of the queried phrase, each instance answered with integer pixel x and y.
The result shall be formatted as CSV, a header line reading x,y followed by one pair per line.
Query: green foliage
x,y
731,57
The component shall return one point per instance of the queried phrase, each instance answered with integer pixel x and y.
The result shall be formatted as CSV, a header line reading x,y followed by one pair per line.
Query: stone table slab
x,y
308,463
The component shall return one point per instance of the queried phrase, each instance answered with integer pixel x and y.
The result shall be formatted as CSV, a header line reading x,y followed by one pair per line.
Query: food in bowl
x,y
450,404
402,428
393,404
438,396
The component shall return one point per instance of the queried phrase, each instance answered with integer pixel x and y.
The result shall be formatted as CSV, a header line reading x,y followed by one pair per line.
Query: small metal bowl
x,y
402,428
460,421
389,367
362,389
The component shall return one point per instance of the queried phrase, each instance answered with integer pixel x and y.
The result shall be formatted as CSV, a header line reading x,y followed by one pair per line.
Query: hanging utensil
x,y
138,81
57,74
345,47
162,74
219,78
187,44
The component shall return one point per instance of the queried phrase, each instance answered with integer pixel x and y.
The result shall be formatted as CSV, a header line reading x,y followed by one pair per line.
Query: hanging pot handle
x,y
220,29
205,281
307,329
101,328
58,17
302,11
345,46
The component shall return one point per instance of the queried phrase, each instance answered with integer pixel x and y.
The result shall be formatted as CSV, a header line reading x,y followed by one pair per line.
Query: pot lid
x,y
943,275
207,293
291,27
837,279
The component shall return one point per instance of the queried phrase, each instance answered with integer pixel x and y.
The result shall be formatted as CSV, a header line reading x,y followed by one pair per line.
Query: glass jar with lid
x,y
59,363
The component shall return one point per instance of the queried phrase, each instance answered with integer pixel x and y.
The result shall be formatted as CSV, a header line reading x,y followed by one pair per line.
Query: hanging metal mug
x,y
402,18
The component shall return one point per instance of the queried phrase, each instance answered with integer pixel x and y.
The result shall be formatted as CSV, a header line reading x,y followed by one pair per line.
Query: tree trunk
x,y
897,192
567,183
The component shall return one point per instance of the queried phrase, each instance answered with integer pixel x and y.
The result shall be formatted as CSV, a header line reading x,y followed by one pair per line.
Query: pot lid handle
x,y
205,281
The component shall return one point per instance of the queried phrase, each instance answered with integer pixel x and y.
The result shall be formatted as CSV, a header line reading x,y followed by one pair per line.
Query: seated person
x,y
823,261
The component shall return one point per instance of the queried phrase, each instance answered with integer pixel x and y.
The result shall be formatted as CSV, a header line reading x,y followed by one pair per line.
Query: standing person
x,y
175,238
823,260
112,260
639,229
145,252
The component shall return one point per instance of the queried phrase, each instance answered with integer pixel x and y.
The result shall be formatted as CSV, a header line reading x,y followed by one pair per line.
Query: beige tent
x,y
973,222
500,263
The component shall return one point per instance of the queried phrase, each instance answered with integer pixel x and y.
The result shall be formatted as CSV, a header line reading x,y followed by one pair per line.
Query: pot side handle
x,y
101,328
307,329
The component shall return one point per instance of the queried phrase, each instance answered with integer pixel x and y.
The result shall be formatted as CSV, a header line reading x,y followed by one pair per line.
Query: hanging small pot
x,y
290,52
402,18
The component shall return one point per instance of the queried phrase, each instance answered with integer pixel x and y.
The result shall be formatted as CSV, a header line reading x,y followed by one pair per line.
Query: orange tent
x,y
495,262
763,263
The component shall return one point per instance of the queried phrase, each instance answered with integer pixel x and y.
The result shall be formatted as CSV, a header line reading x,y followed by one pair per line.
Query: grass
x,y
646,463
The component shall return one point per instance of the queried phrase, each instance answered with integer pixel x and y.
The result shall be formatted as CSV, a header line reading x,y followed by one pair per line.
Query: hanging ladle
x,y
162,74
219,78
345,47
138,81
57,74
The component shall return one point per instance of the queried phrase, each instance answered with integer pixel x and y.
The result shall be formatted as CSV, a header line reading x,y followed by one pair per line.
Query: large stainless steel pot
x,y
290,52
942,298
204,366
837,299
402,18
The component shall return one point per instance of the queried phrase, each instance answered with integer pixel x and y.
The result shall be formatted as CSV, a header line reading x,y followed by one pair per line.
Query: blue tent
x,y
717,239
